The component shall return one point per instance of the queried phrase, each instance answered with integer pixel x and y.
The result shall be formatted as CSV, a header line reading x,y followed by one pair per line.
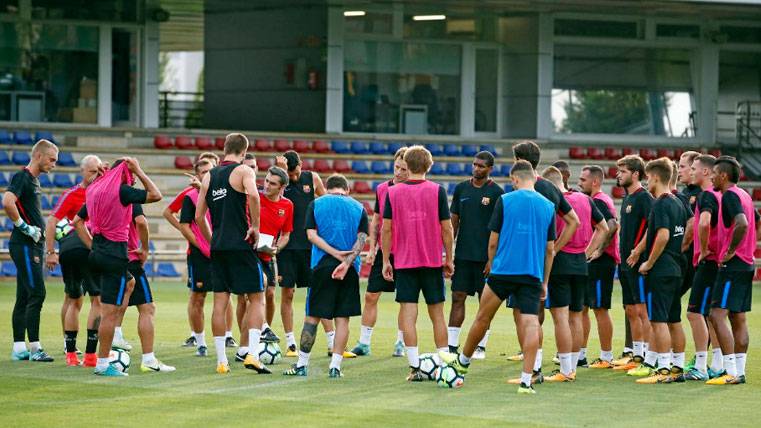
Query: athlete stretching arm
x,y
153,192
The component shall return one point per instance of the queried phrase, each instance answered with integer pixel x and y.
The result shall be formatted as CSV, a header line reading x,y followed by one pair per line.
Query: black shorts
x,y
664,298
410,282
330,298
566,290
111,275
266,267
468,277
688,275
702,286
28,261
600,283
376,283
199,273
524,297
733,290
141,294
294,268
633,287
236,272
77,276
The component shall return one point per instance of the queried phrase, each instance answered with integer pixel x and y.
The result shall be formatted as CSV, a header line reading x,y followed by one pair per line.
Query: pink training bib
x,y
416,228
108,217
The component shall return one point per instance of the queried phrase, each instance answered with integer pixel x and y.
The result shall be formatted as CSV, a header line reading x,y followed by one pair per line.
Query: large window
x,y
622,90
401,87
95,10
48,72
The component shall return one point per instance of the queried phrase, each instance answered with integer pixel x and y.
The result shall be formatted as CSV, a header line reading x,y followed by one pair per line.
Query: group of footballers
x,y
536,244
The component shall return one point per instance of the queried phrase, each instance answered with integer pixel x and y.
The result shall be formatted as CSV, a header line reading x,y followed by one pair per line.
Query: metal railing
x,y
181,109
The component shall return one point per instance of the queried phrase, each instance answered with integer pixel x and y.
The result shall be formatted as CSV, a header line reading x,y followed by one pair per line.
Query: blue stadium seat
x,y
360,167
56,273
508,187
505,169
469,150
9,269
78,179
62,180
23,137
4,243
8,225
148,268
5,137
44,135
393,147
20,158
167,270
452,150
435,149
378,148
4,159
340,147
380,167
45,181
3,180
66,159
437,169
376,184
488,148
455,168
45,202
54,200
151,247
360,148
450,188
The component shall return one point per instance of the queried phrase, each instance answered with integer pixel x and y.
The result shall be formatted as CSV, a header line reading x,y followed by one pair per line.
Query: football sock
x,y
254,334
485,340
453,336
365,333
701,361
34,346
565,363
664,360
729,365
538,360
646,347
303,359
219,345
677,359
607,355
118,333
638,349
92,341
243,351
740,364
651,358
330,336
200,338
526,378
102,364
717,361
19,346
400,336
412,356
574,360
265,326
228,333
582,353
290,339
465,361
335,360
628,350
148,358
70,338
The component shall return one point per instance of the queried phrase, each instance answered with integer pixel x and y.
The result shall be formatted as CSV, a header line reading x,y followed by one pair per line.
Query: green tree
x,y
605,112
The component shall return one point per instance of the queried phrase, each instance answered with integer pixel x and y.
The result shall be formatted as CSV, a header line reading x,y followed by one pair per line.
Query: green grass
x,y
373,391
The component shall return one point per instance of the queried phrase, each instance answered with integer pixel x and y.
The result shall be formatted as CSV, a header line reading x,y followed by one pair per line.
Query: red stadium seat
x,y
595,153
263,164
260,182
342,166
577,153
321,146
322,165
184,143
668,153
204,143
368,207
282,145
647,154
628,151
612,171
678,154
302,146
306,165
219,143
263,145
362,187
618,192
714,152
162,142
757,194
183,162
613,153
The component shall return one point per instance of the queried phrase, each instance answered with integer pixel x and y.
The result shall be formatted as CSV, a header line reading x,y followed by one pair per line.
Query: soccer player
x,y
635,210
77,277
569,276
337,228
417,225
663,275
229,193
602,266
21,203
108,207
376,284
731,296
472,206
688,196
704,259
520,258
565,171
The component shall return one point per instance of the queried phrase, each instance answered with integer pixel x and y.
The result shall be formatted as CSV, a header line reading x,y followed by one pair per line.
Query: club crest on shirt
x,y
628,209
307,188
280,212
199,284
36,259
485,200
692,199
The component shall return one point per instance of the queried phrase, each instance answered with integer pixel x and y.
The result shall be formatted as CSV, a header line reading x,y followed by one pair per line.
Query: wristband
x,y
19,222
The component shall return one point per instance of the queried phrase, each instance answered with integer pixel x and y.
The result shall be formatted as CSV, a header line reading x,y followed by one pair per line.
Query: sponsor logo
x,y
217,194
628,209
678,230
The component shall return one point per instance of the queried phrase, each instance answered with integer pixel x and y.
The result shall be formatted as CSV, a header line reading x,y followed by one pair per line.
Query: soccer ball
x,y
120,360
448,377
63,228
269,353
428,366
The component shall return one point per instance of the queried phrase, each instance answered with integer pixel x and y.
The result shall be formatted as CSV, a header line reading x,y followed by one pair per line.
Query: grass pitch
x,y
372,393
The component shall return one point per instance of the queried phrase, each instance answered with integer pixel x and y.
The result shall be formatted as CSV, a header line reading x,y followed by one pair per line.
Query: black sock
x,y
70,338
92,341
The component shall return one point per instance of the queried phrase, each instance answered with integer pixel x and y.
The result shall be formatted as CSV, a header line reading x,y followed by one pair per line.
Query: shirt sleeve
x,y
311,222
83,212
552,230
65,207
178,202
730,208
455,207
288,224
387,209
377,204
597,216
495,224
18,184
363,223
708,203
443,205
604,210
137,211
188,210
645,206
661,219
130,195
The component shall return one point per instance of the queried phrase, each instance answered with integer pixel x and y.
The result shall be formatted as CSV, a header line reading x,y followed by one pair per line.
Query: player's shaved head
x,y
553,175
706,161
43,146
522,170
89,161
595,171
487,157
728,165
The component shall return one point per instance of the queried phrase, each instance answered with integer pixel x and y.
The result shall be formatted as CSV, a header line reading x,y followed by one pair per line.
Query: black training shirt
x,y
667,213
634,213
474,205
26,187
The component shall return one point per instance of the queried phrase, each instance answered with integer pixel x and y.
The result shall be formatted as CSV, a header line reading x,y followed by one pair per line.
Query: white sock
x,y
365,334
607,355
730,365
465,361
34,346
646,347
118,333
582,353
19,346
538,360
265,326
740,364
701,361
526,378
485,340
639,349
243,351
717,361
664,360
412,356
651,358
335,360
400,336
228,333
575,359
254,334
331,336
628,349
219,345
566,366
453,336
148,358
436,357
303,359
200,338
102,364
290,339
677,359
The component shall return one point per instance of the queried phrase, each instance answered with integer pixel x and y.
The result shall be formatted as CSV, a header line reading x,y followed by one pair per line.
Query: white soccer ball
x,y
63,228
269,353
428,365
448,377
120,359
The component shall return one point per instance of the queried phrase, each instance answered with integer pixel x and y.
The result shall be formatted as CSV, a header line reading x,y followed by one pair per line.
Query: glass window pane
x,y
96,10
487,91
371,22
